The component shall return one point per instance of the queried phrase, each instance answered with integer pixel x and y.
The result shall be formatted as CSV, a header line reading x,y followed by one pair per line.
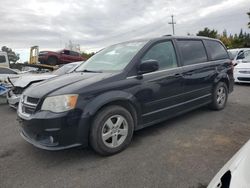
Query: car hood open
x,y
65,84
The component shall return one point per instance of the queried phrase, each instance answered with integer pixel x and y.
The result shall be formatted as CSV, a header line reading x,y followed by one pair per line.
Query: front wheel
x,y
111,130
219,96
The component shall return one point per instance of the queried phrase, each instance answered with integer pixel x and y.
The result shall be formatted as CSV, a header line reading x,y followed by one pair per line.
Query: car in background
x,y
242,70
59,57
22,83
6,73
235,173
237,54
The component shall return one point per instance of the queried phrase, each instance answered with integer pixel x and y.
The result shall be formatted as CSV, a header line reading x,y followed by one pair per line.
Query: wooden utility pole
x,y
172,23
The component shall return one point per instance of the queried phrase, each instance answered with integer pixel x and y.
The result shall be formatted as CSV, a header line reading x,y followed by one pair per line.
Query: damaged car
x,y
22,83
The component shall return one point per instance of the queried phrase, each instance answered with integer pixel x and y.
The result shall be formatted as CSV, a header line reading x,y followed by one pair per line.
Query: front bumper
x,y
13,99
240,77
53,131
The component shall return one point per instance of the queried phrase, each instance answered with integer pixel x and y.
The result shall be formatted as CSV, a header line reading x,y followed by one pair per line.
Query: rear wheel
x,y
220,96
52,61
111,130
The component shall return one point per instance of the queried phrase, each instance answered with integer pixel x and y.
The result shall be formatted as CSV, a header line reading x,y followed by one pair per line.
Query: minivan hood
x,y
61,82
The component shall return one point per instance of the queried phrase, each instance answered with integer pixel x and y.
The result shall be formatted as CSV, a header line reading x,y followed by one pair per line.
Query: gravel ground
x,y
183,152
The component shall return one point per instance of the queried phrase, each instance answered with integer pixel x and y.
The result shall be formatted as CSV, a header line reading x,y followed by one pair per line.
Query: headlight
x,y
60,103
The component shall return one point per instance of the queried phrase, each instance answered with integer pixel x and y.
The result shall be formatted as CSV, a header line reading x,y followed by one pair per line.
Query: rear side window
x,y
216,50
164,53
74,53
192,51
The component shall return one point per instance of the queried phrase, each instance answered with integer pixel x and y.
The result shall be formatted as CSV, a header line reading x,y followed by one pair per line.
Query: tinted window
x,y
2,59
192,51
74,53
6,71
66,52
164,53
216,50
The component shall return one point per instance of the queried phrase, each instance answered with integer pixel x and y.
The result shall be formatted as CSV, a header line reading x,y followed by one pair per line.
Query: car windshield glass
x,y
113,58
64,69
246,58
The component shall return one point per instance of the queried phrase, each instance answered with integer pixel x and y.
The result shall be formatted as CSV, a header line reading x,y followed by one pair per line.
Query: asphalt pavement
x,y
186,151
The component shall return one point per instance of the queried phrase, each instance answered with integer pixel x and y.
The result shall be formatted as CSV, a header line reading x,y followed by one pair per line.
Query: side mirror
x,y
148,66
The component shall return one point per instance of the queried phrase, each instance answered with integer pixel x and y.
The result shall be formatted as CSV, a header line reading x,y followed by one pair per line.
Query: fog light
x,y
51,139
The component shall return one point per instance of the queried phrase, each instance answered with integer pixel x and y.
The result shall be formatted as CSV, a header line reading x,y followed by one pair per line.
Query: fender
x,y
222,76
112,96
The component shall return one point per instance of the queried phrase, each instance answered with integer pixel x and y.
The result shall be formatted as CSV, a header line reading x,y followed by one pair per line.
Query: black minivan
x,y
123,88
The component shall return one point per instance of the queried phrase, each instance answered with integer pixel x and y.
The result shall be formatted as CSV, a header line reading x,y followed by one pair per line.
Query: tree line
x,y
241,40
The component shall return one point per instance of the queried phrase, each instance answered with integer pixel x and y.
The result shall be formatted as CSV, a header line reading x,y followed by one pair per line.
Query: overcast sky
x,y
97,23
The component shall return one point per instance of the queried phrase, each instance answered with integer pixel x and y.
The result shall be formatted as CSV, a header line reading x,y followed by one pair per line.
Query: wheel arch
x,y
222,78
120,98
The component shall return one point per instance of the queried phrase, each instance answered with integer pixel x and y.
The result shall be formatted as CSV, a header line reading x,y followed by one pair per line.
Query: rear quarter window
x,y
192,51
216,50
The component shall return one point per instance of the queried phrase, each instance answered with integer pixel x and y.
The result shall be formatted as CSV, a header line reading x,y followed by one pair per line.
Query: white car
x,y
237,54
235,174
6,73
22,83
242,70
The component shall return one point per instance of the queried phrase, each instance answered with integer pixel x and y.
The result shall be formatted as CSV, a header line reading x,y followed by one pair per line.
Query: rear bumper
x,y
51,131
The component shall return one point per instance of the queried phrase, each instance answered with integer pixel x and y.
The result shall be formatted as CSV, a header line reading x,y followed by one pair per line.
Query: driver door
x,y
161,90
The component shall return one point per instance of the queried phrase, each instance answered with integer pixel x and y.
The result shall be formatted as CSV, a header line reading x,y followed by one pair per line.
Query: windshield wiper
x,y
93,71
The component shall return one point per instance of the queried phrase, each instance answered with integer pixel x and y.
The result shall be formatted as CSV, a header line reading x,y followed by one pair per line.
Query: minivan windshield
x,y
113,58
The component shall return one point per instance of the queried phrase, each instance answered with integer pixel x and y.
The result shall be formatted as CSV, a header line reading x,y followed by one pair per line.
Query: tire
x,y
219,96
107,135
52,61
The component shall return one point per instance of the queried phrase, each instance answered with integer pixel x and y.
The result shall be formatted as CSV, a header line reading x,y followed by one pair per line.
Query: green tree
x,y
12,56
208,33
87,55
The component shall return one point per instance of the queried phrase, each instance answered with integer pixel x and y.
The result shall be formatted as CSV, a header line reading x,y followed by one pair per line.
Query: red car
x,y
59,57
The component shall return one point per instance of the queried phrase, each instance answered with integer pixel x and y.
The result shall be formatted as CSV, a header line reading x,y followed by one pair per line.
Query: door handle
x,y
177,75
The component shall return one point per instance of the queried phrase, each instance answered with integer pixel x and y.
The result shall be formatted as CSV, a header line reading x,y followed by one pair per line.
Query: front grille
x,y
32,100
243,79
28,105
18,90
245,72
